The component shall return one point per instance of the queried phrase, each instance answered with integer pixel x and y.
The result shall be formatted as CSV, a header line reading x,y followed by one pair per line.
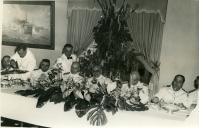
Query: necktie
x,y
69,57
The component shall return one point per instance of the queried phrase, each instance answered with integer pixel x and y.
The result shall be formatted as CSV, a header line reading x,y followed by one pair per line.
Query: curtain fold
x,y
148,6
146,31
80,28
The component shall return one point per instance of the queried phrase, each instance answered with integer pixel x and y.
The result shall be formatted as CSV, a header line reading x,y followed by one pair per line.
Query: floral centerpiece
x,y
74,92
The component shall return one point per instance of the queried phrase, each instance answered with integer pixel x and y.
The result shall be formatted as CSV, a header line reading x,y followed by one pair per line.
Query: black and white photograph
x,y
99,63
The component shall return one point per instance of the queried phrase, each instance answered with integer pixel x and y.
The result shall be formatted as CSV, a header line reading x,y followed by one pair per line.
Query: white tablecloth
x,y
51,115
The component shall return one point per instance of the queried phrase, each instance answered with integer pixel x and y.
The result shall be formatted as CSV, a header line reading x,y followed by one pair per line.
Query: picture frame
x,y
29,22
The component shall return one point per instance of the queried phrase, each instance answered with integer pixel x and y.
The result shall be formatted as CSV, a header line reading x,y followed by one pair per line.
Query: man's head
x,y
134,78
75,68
97,71
44,65
196,82
5,62
178,82
67,50
14,64
21,50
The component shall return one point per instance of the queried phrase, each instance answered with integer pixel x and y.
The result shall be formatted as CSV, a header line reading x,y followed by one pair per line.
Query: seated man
x,y
5,63
193,94
24,58
136,89
73,79
8,64
98,85
10,69
173,94
67,58
105,83
41,73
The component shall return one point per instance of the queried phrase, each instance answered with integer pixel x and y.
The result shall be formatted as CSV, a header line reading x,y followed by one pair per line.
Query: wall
x,y
60,36
180,48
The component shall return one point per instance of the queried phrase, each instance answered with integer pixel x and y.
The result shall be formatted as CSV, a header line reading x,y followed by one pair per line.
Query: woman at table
x,y
135,91
24,57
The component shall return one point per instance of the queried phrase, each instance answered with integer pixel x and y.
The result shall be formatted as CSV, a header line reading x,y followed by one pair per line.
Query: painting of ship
x,y
29,24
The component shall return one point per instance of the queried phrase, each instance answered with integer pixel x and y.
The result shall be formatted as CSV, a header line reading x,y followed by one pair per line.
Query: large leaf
x,y
97,116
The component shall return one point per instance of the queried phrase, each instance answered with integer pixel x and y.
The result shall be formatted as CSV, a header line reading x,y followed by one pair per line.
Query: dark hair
x,y
12,60
179,75
3,59
195,82
67,46
44,60
21,46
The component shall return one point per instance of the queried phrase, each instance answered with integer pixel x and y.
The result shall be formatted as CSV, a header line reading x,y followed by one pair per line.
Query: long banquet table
x,y
52,115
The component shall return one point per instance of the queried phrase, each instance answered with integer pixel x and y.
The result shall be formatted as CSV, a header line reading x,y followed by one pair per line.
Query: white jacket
x,y
103,81
143,93
64,63
170,96
28,62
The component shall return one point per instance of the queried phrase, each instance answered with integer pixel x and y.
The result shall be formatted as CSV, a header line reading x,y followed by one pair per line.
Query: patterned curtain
x,y
146,31
80,27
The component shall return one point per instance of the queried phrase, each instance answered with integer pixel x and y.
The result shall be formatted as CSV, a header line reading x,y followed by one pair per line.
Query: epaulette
x,y
185,90
124,82
166,86
192,90
66,73
36,69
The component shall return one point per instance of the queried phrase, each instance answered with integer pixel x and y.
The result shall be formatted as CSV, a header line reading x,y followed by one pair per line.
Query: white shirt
x,y
36,74
171,96
64,63
193,97
77,79
143,93
103,81
28,62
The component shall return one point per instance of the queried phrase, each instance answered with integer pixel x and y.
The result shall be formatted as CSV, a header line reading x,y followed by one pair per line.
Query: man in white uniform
x,y
42,72
193,94
24,58
66,60
135,86
106,83
173,94
76,78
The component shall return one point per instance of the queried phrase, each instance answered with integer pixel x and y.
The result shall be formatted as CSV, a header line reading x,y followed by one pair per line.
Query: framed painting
x,y
29,22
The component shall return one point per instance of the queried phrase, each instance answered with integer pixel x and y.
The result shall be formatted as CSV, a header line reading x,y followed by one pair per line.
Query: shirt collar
x,y
179,92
